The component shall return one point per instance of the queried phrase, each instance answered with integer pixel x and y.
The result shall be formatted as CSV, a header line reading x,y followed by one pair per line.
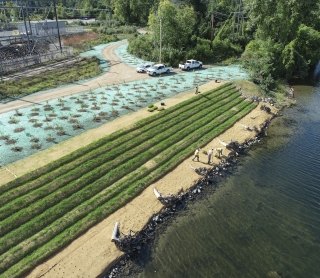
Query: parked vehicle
x,y
158,69
191,64
144,67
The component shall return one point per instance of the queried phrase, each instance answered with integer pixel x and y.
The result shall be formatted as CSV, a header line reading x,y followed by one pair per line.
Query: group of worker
x,y
209,154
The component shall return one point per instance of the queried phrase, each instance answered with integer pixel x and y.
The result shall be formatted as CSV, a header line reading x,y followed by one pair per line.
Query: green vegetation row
x,y
47,224
68,174
36,208
110,199
116,138
85,68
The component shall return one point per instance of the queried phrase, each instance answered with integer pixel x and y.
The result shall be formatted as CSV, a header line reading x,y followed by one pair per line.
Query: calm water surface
x,y
264,221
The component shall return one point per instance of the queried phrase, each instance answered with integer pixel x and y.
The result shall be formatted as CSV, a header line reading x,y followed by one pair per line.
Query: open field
x,y
40,214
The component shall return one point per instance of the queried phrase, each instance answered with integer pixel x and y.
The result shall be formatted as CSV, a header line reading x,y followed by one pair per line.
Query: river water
x,y
263,221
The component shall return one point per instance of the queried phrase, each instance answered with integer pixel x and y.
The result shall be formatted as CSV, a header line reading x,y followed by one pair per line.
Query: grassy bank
x,y
82,69
44,210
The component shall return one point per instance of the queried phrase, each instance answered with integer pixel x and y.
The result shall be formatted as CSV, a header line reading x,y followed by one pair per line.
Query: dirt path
x,y
90,254
118,73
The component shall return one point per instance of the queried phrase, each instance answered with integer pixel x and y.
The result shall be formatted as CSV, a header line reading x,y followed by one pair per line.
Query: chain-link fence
x,y
12,65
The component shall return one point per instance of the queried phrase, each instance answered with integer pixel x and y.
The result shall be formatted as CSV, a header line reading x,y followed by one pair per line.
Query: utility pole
x,y
160,39
28,18
26,28
55,13
212,26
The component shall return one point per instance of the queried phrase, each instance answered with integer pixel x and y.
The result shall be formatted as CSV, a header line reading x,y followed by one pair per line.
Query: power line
x,y
44,8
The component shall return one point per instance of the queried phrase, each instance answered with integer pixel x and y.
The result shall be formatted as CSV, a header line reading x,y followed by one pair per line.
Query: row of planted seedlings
x,y
123,170
127,58
53,122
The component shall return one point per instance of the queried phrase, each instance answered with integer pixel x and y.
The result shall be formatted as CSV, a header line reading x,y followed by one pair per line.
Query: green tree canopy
x,y
303,53
176,24
132,11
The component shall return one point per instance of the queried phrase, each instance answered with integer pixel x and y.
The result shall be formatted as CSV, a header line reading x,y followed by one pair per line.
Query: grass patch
x,y
249,89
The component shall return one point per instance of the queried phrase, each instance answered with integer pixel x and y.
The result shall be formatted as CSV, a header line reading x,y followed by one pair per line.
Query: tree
x,y
177,25
61,11
259,58
121,9
102,15
290,26
302,54
132,11
280,19
202,50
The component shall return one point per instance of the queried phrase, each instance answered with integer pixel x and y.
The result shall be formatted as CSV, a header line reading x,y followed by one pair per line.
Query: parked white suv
x,y
158,69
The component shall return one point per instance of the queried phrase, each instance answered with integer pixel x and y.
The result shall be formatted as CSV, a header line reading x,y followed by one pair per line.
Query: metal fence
x,y
13,65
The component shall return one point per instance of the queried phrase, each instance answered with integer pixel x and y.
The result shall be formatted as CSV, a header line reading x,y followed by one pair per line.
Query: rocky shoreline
x,y
136,245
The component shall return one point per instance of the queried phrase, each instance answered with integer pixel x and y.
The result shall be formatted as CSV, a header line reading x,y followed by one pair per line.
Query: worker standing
x,y
196,154
210,152
197,89
219,152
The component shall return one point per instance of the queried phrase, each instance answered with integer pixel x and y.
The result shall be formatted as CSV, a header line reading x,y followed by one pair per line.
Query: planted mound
x,y
45,210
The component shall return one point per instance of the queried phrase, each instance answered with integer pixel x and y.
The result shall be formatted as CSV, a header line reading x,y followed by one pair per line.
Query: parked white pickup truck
x,y
191,64
158,69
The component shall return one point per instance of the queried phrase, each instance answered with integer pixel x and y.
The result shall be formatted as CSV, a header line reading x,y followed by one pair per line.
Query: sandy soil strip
x,y
118,73
90,254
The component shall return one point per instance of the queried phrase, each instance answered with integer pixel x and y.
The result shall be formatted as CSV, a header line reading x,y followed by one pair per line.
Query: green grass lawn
x,y
43,211
82,69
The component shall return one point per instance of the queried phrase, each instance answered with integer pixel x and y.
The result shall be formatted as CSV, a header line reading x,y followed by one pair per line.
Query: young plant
x,y
19,129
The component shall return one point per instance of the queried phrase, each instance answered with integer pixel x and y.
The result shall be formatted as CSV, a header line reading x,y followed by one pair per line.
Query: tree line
x,y
274,39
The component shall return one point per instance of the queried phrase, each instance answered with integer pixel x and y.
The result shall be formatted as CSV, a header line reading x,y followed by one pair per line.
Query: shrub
x,y
17,149
259,58
142,47
202,51
223,49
